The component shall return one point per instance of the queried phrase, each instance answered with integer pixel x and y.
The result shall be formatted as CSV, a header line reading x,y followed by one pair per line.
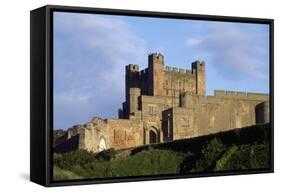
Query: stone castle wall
x,y
166,104
115,133
161,80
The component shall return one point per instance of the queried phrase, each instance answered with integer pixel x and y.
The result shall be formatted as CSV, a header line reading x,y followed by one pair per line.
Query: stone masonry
x,y
165,103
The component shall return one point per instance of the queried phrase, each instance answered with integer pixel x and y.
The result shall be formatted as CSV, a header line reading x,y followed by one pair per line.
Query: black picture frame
x,y
41,99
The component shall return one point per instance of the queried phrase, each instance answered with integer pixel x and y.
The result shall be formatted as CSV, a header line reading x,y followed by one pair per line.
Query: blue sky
x,y
91,51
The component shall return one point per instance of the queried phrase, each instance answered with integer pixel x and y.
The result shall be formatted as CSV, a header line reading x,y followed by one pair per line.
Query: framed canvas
x,y
122,95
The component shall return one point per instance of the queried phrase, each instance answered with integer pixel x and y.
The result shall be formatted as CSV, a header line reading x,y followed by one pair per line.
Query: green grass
x,y
213,156
149,162
60,174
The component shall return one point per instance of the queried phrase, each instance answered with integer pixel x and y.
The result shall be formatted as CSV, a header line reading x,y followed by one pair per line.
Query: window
x,y
167,91
151,109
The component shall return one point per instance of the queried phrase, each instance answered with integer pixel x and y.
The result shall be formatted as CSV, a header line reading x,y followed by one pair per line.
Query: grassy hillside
x,y
204,154
149,162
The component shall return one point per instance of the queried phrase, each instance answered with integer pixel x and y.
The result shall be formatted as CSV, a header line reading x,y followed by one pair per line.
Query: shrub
x,y
209,154
220,164
148,162
251,156
106,155
78,157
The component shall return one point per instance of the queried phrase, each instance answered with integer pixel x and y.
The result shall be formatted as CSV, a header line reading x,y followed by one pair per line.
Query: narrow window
x,y
151,109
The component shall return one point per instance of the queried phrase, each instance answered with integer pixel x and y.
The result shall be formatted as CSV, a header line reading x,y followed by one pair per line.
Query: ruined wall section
x,y
115,133
74,130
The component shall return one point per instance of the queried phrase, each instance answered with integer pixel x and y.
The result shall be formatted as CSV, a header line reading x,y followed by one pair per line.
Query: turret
x,y
132,78
132,68
155,60
134,100
198,68
155,76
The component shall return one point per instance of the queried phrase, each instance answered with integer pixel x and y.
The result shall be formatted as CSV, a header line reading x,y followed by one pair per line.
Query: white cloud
x,y
91,52
193,42
234,50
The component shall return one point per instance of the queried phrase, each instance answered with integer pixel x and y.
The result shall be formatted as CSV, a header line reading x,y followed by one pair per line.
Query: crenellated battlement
x,y
143,72
161,80
132,68
238,94
177,70
155,59
156,55
164,103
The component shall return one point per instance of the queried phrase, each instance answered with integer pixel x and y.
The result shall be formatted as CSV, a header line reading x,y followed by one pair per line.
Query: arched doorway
x,y
152,137
102,144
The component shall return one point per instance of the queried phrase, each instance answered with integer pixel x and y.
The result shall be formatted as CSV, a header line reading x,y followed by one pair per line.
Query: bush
x,y
220,164
209,154
106,155
254,156
78,157
149,162
213,156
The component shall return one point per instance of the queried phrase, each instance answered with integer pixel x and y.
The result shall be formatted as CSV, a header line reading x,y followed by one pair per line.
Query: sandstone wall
x,y
201,115
160,80
116,133
166,103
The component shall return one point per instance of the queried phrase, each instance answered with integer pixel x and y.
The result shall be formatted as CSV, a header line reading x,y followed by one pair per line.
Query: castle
x,y
164,104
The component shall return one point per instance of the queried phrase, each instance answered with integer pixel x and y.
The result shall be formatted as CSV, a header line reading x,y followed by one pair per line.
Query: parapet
x,y
197,62
132,68
156,55
240,95
155,58
198,66
177,70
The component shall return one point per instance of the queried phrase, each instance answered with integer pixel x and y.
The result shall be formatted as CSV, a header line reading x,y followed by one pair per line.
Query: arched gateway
x,y
102,144
152,137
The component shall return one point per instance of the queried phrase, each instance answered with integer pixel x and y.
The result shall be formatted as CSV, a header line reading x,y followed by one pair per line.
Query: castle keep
x,y
166,103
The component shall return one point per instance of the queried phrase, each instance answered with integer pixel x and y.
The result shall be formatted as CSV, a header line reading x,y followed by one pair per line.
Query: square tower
x,y
198,67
